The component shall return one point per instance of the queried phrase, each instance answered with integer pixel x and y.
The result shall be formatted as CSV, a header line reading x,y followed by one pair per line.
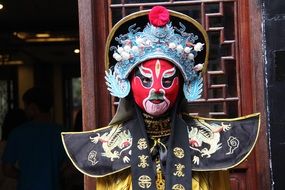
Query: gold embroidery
x,y
179,170
157,142
143,161
178,152
157,127
142,144
205,136
114,142
160,182
92,157
178,187
233,144
144,181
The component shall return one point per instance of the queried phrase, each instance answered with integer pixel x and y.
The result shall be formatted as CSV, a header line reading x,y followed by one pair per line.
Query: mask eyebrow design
x,y
169,73
146,72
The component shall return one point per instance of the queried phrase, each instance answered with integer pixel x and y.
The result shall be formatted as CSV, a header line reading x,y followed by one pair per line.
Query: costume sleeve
x,y
220,180
210,180
200,180
118,181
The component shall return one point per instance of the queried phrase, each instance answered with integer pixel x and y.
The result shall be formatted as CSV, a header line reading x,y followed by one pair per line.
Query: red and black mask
x,y
155,86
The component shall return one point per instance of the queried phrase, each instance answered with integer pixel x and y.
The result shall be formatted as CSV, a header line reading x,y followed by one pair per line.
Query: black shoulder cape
x,y
214,144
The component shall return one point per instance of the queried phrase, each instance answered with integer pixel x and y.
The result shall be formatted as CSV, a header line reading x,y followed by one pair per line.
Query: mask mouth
x,y
156,109
156,101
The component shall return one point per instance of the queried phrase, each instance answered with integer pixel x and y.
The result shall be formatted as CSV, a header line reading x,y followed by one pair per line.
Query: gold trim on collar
x,y
157,127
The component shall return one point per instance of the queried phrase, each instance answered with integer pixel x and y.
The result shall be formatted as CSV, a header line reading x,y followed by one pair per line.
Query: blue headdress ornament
x,y
183,42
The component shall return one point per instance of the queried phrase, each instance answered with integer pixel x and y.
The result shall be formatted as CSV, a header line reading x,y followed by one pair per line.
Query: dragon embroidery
x,y
205,138
114,143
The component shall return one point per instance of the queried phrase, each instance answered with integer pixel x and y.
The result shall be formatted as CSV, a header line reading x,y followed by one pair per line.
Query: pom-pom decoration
x,y
158,16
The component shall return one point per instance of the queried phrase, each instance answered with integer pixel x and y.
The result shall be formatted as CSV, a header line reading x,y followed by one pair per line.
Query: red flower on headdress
x,y
158,16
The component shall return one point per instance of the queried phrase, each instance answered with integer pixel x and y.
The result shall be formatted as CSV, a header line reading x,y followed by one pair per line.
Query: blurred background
x,y
39,45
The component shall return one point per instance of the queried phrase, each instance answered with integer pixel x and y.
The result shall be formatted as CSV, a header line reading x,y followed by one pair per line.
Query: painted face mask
x,y
155,86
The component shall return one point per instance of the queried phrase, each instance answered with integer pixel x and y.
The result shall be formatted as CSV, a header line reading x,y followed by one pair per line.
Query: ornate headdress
x,y
167,35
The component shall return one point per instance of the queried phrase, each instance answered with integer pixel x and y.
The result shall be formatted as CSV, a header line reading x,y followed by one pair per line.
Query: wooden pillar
x,y
96,102
259,105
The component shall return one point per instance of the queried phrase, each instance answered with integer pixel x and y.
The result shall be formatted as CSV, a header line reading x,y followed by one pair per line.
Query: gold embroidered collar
x,y
157,127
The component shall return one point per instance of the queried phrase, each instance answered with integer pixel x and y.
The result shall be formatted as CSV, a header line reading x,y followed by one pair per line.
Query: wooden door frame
x,y
252,68
96,102
255,23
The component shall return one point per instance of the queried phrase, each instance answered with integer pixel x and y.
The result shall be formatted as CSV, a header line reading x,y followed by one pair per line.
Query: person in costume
x,y
156,59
